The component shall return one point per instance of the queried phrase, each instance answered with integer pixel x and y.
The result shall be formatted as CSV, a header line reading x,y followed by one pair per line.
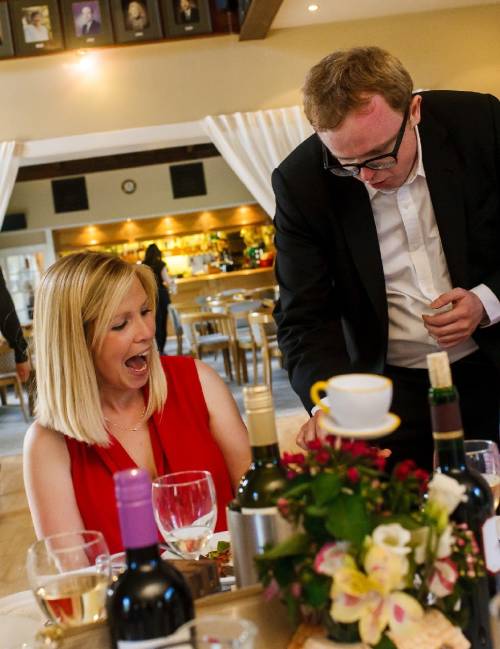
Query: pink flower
x,y
352,474
322,456
443,577
272,590
331,558
314,444
295,590
283,506
403,470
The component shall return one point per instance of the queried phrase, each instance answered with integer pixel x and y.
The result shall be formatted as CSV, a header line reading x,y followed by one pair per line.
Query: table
x,y
20,619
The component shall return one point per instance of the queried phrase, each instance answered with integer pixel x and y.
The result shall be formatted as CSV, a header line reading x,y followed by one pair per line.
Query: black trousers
x,y
478,385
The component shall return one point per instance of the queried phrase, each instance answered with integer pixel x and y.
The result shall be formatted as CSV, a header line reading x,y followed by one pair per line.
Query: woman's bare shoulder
x,y
39,438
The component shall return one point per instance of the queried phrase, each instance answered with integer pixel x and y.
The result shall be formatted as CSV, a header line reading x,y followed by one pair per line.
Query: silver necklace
x,y
132,429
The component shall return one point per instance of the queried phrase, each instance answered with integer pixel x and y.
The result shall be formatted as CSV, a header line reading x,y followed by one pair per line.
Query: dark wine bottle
x,y
151,598
262,484
478,506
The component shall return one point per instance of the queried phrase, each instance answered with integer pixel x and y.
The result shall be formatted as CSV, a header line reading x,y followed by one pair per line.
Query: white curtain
x,y
10,155
253,144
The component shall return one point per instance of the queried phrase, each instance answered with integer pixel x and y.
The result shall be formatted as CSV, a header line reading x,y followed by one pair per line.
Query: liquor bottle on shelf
x,y
253,517
151,599
477,508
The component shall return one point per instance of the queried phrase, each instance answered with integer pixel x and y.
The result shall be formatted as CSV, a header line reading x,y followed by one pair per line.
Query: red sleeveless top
x,y
181,440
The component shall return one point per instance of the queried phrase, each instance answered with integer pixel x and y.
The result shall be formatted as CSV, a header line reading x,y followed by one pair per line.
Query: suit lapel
x,y
361,236
442,170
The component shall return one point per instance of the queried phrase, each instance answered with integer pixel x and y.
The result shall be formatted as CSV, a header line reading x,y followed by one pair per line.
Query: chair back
x,y
196,325
263,327
7,362
240,311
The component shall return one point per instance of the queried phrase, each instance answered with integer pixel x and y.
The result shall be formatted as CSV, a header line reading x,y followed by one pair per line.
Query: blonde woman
x,y
107,402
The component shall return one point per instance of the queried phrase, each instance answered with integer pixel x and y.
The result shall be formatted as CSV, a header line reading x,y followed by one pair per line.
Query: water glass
x,y
185,509
215,632
482,455
69,574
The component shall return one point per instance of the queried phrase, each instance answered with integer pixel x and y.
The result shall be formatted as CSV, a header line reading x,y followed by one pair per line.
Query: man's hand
x,y
23,371
457,325
308,431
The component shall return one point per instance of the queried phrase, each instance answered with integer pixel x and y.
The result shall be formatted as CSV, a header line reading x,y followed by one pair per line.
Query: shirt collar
x,y
417,170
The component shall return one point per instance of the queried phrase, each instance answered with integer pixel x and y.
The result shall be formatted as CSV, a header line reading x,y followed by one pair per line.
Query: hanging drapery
x,y
253,144
10,155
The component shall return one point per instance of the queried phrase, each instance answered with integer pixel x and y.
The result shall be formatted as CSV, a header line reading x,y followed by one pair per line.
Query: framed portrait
x,y
6,42
136,20
36,26
186,17
87,23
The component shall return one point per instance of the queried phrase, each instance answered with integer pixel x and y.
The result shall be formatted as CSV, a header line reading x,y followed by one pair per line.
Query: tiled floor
x,y
16,530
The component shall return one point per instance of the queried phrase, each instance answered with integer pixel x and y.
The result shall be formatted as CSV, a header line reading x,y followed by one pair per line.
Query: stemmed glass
x,y
185,509
69,574
482,455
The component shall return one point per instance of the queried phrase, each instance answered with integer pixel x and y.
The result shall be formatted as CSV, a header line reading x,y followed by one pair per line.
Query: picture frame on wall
x,y
87,23
6,42
186,17
36,26
136,20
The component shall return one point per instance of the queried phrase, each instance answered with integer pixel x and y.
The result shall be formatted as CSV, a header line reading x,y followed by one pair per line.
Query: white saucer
x,y
386,427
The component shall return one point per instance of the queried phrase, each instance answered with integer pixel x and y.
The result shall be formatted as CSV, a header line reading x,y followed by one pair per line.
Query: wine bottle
x,y
151,599
477,508
261,485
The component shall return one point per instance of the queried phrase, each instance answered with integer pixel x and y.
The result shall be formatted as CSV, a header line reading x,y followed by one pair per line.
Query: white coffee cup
x,y
355,400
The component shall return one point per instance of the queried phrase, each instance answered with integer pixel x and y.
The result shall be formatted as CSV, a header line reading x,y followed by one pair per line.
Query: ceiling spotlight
x,y
312,8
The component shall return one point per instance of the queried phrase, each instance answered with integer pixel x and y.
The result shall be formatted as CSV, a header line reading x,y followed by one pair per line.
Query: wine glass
x,y
185,509
482,455
69,574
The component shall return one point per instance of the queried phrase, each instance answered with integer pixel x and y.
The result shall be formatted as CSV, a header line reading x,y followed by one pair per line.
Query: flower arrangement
x,y
373,552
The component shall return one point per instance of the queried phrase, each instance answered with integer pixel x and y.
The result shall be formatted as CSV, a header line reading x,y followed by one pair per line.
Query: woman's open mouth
x,y
138,364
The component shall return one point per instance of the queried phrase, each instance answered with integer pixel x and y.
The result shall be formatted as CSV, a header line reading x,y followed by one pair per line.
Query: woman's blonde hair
x,y
346,80
75,302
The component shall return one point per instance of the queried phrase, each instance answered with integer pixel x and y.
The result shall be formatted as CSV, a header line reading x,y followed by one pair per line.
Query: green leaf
x,y
292,546
326,487
347,519
317,591
297,490
406,520
385,643
316,512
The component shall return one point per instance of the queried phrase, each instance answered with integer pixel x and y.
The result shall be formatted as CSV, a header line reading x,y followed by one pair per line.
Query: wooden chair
x,y
239,312
220,337
8,377
175,310
264,332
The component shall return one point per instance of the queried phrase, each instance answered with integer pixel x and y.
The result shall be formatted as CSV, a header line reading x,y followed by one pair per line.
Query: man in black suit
x,y
88,25
388,241
188,12
11,330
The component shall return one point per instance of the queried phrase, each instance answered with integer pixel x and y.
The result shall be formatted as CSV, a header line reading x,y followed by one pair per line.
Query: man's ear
x,y
416,100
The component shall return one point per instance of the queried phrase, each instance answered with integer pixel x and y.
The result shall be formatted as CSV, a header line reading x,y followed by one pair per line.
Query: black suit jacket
x,y
332,314
9,323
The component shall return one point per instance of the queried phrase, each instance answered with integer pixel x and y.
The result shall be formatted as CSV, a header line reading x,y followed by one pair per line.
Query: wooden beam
x,y
119,161
260,14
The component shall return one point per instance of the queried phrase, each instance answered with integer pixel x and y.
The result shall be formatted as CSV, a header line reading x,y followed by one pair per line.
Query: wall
x,y
107,202
184,80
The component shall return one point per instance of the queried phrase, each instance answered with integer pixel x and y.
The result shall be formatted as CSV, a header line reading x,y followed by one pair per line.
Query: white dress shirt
x,y
415,269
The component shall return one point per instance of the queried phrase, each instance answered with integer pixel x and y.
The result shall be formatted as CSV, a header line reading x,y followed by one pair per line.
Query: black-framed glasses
x,y
383,161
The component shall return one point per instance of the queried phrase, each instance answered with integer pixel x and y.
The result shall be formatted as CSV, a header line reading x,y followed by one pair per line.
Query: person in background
x,y
388,238
153,259
34,30
11,330
107,401
188,11
136,17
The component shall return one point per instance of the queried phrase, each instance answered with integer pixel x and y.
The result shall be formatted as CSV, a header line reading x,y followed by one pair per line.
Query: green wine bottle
x,y
262,484
478,507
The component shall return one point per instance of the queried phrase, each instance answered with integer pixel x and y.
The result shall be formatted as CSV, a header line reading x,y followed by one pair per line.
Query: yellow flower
x,y
371,598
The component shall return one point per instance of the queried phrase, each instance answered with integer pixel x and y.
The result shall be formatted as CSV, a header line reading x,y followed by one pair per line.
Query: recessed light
x,y
312,8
